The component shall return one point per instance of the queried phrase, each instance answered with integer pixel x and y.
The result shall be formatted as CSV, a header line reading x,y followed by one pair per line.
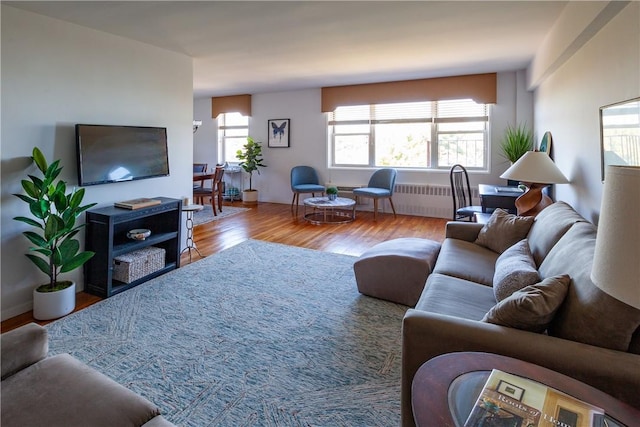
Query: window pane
x,y
231,146
351,150
402,145
237,132
464,148
235,119
461,127
342,129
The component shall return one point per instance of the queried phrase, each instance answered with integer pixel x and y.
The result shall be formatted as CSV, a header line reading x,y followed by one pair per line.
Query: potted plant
x,y
332,193
517,141
55,249
251,161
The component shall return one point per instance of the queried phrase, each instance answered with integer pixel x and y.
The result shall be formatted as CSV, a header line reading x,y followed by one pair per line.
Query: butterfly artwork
x,y
279,133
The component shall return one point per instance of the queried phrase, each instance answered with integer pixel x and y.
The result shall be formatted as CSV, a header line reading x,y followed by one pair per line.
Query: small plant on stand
x,y
332,193
54,250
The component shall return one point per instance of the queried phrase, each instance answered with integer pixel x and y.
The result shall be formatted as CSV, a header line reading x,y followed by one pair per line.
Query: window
x,y
433,134
233,130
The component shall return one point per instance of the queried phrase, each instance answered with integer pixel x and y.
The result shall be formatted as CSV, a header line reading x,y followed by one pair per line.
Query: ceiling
x,y
255,47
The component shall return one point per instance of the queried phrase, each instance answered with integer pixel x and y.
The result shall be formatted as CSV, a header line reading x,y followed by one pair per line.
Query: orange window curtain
x,y
231,104
479,87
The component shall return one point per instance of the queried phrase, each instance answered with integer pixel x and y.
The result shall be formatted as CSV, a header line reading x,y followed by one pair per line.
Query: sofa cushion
x,y
549,226
455,297
514,270
503,230
531,308
60,387
466,260
588,315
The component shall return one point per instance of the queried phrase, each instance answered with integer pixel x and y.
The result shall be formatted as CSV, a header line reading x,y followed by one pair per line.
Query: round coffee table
x,y
445,388
325,211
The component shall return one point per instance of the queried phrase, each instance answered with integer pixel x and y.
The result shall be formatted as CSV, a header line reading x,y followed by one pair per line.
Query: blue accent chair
x,y
304,179
380,186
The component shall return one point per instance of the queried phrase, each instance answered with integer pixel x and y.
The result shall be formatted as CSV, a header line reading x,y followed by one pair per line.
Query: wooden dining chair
x,y
215,191
199,168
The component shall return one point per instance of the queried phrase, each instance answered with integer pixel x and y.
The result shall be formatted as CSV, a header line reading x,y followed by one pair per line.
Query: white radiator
x,y
432,200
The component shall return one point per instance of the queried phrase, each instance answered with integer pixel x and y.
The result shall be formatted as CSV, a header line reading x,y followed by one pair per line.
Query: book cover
x,y
514,401
137,203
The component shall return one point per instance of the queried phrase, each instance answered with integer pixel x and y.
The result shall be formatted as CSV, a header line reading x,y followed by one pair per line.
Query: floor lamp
x,y
616,263
535,170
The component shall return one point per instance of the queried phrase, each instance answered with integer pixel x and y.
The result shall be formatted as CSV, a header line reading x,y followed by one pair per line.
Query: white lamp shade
x,y
616,264
535,167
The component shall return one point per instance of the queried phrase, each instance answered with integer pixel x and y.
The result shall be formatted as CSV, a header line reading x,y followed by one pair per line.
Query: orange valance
x,y
231,104
479,87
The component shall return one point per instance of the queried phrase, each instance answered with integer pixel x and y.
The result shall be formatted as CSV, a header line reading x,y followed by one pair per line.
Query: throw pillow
x,y
503,230
531,308
515,269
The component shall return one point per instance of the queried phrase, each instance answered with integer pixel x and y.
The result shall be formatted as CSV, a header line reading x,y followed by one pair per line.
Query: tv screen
x,y
120,153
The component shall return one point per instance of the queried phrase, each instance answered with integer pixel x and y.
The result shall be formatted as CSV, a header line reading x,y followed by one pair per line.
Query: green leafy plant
x,y
332,190
251,158
516,142
54,250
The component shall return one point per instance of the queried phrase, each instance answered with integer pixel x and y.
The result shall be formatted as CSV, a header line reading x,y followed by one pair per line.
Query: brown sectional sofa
x,y
61,391
592,337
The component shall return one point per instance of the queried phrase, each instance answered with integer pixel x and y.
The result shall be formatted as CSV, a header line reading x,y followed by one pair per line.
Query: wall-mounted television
x,y
109,154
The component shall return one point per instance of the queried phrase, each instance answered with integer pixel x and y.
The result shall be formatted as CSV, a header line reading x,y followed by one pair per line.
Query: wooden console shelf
x,y
106,235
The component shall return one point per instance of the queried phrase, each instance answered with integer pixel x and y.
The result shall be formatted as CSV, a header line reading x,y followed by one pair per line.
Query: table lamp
x,y
535,170
616,263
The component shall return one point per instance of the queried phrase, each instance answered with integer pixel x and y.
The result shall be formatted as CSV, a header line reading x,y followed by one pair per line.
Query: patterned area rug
x,y
260,334
206,214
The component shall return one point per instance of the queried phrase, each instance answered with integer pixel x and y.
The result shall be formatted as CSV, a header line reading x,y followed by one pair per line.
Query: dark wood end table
x,y
446,387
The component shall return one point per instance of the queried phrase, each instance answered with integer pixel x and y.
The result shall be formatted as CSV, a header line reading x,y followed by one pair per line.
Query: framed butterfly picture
x,y
279,132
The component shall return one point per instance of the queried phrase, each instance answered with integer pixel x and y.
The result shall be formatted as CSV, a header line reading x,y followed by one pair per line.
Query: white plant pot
x,y
250,197
52,305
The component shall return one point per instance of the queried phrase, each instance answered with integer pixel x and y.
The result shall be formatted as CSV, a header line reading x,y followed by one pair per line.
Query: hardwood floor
x,y
274,222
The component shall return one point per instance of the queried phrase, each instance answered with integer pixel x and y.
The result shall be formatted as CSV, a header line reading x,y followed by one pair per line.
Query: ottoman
x,y
396,270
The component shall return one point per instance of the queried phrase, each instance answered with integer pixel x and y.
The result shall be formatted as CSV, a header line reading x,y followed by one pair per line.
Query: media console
x,y
106,235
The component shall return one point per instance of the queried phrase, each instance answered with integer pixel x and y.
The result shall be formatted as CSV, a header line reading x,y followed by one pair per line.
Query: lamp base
x,y
533,200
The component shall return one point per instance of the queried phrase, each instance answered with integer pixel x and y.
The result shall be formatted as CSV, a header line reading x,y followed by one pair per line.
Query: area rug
x,y
260,334
206,214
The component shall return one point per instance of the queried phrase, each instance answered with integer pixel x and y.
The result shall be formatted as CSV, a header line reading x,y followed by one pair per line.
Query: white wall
x,y
56,74
308,141
604,70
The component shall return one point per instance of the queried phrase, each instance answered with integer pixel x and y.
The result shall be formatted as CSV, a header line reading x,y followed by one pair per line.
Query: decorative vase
x,y
250,196
332,196
52,305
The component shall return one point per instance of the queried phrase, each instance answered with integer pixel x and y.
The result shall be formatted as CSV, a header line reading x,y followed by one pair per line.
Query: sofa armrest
x,y
426,335
463,230
23,347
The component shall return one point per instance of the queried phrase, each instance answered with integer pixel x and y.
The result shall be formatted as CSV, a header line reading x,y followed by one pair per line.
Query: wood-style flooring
x,y
274,222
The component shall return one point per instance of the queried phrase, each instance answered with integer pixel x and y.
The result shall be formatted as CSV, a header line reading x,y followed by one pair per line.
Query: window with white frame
x,y
233,130
422,135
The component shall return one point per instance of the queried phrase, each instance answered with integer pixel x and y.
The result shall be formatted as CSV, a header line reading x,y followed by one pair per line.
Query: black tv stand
x,y
106,235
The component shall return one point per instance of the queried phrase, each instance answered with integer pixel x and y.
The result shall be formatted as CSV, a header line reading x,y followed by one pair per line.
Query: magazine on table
x,y
514,401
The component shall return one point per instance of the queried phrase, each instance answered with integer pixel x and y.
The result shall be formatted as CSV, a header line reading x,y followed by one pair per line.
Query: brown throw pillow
x,y
503,230
514,270
531,308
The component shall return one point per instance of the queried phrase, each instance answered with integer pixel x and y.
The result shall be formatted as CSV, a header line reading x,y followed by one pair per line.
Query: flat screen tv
x,y
120,153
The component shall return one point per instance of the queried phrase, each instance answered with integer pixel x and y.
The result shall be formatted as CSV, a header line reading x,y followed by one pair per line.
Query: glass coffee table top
x,y
325,211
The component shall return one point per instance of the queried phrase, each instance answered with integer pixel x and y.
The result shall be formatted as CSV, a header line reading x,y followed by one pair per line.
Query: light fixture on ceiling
x,y
196,125
535,170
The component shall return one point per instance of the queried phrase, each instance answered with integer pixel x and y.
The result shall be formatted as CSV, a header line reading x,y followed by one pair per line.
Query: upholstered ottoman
x,y
396,270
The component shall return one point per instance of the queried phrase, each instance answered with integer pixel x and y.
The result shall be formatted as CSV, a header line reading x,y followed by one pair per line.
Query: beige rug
x,y
206,215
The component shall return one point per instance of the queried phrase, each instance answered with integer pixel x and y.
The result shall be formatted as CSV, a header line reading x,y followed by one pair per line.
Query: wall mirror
x,y
620,134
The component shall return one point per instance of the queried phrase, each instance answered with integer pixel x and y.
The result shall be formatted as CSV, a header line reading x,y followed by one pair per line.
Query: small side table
x,y
190,209
445,388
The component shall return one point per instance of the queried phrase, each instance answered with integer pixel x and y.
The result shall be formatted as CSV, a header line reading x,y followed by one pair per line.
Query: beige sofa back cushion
x,y
549,226
587,315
